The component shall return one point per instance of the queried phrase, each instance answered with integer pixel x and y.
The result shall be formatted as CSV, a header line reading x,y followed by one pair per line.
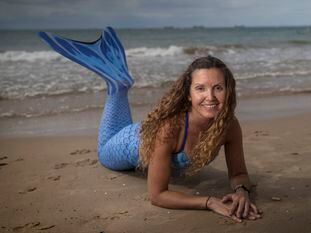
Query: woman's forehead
x,y
212,75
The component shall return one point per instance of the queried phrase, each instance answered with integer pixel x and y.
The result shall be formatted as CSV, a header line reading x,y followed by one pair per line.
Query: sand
x,y
55,184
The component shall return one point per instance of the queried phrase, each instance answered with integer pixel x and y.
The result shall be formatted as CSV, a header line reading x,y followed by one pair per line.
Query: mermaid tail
x,y
105,56
118,137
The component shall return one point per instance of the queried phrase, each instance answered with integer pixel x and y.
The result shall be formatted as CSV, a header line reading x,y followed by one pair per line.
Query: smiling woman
x,y
207,92
185,129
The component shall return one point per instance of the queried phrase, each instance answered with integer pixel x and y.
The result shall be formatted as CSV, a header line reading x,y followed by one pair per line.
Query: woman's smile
x,y
207,92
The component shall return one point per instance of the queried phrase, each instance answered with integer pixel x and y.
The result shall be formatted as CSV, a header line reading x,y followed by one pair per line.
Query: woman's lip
x,y
210,107
210,104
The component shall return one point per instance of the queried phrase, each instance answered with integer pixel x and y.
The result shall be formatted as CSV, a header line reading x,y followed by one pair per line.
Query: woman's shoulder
x,y
170,130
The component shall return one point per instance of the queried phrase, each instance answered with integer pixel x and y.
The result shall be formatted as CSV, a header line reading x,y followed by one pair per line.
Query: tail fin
x,y
105,56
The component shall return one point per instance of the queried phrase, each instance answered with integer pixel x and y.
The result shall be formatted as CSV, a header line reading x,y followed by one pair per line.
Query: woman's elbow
x,y
155,199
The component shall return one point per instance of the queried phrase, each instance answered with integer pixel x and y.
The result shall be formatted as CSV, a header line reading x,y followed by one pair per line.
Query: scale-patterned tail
x,y
105,56
118,138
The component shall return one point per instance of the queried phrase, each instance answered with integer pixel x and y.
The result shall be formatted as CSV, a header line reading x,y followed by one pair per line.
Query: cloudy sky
x,y
152,13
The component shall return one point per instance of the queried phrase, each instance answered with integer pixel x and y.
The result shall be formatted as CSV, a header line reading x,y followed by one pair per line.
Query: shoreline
x,y
86,122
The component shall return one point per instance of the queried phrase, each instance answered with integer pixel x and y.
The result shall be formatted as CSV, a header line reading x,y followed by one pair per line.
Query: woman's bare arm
x,y
237,170
238,174
158,185
159,175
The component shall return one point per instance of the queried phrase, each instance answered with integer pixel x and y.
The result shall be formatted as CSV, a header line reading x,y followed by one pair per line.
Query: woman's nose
x,y
210,95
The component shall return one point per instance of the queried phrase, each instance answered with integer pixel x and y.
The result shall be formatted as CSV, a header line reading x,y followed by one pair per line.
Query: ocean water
x,y
36,81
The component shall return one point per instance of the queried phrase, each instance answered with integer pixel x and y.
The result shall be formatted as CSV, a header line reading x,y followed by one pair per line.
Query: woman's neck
x,y
198,123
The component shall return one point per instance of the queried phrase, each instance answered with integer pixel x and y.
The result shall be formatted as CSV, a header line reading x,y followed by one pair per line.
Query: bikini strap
x,y
185,134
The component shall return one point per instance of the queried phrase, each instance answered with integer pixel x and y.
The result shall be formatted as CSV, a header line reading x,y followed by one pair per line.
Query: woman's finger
x,y
235,218
233,207
246,210
251,213
254,208
251,217
240,208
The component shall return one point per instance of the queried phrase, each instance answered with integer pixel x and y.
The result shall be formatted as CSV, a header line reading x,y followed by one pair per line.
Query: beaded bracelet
x,y
241,186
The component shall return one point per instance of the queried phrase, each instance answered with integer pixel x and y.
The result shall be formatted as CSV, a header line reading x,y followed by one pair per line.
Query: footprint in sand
x,y
261,133
94,218
28,190
32,225
3,164
46,228
27,225
80,152
60,165
294,153
54,178
85,162
112,176
118,215
19,159
79,163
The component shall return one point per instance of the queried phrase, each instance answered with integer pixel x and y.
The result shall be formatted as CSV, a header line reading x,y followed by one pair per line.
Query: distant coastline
x,y
150,28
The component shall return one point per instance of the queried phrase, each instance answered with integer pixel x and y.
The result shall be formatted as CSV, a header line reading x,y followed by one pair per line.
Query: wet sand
x,y
54,183
80,114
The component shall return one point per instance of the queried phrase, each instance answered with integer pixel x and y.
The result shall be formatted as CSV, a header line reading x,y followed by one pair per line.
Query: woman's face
x,y
207,92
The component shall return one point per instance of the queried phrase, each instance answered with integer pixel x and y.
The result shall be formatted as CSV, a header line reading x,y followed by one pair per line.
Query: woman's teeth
x,y
210,105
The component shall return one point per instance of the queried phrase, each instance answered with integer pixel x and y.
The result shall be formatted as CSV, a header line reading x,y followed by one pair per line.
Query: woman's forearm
x,y
177,200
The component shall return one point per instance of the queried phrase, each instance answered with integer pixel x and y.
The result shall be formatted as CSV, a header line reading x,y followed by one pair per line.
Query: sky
x,y
34,14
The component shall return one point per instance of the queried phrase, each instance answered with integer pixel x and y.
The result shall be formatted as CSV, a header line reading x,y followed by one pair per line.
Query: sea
x,y
35,81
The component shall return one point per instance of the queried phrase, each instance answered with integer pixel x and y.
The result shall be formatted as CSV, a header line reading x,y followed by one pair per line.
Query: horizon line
x,y
157,27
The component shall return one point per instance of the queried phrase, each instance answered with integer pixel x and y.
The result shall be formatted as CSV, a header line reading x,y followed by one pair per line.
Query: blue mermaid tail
x,y
105,56
118,137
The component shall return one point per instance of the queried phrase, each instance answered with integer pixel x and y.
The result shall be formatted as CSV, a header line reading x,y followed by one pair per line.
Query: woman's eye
x,y
199,88
219,88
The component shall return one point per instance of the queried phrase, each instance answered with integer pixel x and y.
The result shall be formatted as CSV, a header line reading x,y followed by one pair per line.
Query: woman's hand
x,y
225,208
219,207
241,206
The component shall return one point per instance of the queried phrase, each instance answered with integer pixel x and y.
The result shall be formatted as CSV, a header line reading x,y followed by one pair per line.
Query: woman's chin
x,y
210,115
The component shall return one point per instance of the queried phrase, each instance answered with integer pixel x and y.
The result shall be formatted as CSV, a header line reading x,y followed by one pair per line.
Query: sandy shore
x,y
54,122
55,184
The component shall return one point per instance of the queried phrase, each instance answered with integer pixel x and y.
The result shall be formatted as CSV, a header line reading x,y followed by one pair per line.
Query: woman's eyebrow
x,y
220,83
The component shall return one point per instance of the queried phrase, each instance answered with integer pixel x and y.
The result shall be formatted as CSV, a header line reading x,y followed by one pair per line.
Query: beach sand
x,y
54,183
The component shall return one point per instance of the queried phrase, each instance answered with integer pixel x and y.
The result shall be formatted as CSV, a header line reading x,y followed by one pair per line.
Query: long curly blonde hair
x,y
174,103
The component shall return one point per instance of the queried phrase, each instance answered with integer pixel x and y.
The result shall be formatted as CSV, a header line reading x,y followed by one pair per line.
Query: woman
x,y
185,130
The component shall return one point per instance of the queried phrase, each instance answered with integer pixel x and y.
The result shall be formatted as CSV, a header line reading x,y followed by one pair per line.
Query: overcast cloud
x,y
152,13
